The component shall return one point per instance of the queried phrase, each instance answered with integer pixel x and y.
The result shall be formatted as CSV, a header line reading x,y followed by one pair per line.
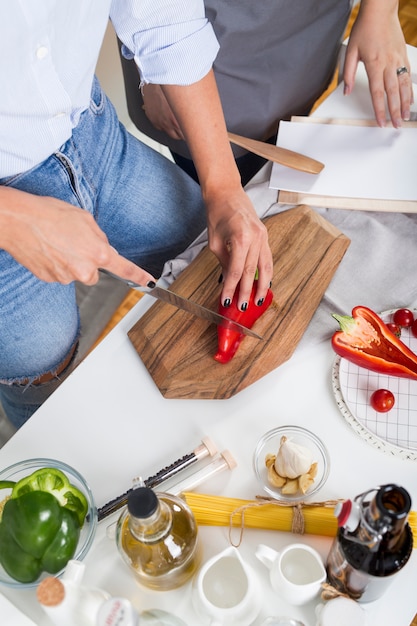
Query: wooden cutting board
x,y
178,348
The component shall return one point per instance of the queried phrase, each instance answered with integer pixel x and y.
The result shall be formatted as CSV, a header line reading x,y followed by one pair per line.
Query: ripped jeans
x,y
150,211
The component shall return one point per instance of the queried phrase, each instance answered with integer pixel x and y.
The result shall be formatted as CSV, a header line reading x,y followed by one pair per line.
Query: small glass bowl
x,y
270,443
24,468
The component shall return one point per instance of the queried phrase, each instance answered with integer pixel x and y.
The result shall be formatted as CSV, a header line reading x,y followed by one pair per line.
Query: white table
x,y
110,422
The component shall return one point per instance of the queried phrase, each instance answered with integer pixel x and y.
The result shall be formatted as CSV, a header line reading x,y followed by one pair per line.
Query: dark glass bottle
x,y
373,542
157,537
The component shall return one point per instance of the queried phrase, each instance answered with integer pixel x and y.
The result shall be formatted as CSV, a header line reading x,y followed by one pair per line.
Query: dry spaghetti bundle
x,y
313,518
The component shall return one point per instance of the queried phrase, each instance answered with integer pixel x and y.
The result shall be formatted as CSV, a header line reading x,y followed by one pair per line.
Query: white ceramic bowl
x,y
24,468
269,444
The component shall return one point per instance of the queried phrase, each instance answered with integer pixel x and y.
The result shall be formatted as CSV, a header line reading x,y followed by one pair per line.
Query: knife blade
x,y
185,304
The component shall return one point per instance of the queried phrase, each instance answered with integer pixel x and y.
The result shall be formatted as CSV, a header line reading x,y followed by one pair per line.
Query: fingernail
x,y
220,278
244,306
227,302
151,284
260,302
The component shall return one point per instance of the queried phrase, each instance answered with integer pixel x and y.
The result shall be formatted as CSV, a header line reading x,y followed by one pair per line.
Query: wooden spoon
x,y
278,155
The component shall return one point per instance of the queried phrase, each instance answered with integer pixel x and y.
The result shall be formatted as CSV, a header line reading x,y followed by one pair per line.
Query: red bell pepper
x,y
228,340
364,339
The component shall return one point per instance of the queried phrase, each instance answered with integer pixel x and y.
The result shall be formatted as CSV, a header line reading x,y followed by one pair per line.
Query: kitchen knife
x,y
186,305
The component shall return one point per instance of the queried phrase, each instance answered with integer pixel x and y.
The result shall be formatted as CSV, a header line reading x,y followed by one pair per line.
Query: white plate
x,y
395,431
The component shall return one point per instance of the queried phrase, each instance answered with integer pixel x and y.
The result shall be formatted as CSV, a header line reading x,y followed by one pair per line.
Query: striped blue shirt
x,y
48,55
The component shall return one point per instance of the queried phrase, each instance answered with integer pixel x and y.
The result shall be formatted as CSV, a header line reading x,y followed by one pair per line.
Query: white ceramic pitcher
x,y
226,591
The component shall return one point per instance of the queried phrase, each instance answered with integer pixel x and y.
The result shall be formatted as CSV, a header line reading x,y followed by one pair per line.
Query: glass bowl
x,y
270,443
24,468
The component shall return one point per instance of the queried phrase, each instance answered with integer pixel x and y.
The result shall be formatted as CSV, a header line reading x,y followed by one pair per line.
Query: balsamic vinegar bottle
x,y
374,541
157,537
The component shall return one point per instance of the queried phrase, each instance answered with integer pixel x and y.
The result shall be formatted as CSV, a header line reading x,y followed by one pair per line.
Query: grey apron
x,y
276,58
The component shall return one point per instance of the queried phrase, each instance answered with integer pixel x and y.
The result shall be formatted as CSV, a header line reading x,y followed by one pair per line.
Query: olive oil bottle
x,y
157,537
374,541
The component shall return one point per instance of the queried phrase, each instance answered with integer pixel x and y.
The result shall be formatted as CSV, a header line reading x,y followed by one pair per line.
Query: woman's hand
x,y
240,241
158,111
57,241
377,40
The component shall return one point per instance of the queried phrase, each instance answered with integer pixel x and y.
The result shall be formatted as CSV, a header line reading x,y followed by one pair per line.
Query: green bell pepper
x,y
37,534
54,481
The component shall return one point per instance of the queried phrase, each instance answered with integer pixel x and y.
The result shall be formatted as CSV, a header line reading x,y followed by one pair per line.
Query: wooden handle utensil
x,y
278,155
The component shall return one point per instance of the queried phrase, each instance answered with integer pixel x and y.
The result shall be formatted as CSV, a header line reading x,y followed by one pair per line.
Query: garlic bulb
x,y
292,459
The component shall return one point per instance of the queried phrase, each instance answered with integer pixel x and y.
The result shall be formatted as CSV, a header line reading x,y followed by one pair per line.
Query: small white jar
x,y
341,611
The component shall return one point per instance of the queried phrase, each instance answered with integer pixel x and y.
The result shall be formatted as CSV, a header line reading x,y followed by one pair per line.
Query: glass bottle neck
x,y
153,528
383,518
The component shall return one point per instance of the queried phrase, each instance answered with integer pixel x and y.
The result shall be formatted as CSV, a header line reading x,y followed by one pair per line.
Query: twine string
x,y
329,592
298,522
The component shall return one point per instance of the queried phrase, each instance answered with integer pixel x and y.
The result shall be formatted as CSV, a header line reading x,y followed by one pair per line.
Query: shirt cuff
x,y
182,62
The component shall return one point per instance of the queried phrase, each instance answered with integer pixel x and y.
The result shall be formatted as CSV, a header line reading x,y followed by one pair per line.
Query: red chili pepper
x,y
364,339
228,340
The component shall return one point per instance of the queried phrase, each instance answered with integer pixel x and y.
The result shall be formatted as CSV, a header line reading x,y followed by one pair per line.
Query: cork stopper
x,y
50,591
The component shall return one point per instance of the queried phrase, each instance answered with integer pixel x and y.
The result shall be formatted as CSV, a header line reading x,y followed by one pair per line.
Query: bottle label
x,y
117,612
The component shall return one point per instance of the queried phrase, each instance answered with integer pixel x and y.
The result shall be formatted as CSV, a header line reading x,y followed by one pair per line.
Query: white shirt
x,y
48,55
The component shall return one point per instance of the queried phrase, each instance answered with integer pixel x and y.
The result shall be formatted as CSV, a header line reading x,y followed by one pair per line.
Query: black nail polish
x,y
151,284
260,302
244,306
220,278
270,284
227,302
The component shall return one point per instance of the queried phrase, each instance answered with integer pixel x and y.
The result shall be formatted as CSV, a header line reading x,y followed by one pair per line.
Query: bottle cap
x,y
348,515
142,502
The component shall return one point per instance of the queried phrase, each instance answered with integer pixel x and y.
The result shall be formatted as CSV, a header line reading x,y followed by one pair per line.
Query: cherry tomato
x,y
403,317
382,400
414,328
395,328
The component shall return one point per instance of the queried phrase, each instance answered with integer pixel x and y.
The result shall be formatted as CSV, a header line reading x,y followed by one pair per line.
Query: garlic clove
x,y
270,459
305,481
292,459
275,479
291,487
313,470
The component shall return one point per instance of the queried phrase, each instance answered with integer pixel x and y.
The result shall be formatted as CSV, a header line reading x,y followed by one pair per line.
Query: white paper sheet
x,y
360,161
358,105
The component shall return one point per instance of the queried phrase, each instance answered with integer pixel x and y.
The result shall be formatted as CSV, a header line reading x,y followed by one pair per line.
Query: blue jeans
x,y
150,211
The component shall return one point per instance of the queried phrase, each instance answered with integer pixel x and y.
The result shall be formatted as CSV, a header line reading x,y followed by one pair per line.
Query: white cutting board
x,y
360,161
